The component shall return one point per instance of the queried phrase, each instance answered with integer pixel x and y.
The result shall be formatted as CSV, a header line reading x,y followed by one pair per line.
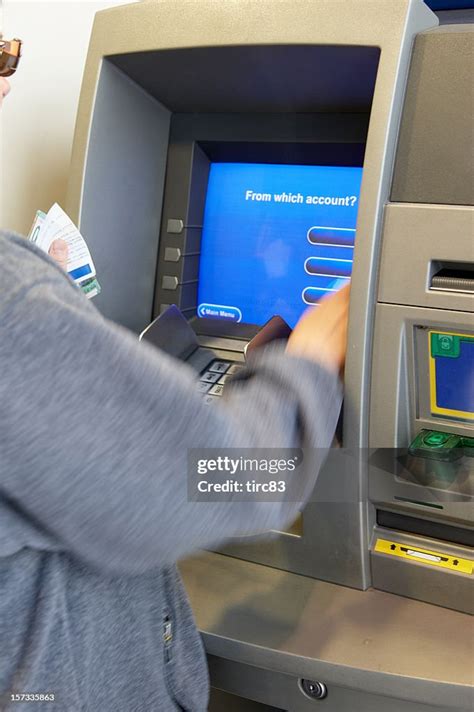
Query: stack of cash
x,y
54,225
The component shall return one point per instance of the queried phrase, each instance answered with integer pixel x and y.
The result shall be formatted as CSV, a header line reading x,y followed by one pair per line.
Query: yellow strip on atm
x,y
423,556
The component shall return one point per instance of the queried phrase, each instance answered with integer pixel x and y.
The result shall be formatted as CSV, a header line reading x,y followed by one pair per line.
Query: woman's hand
x,y
321,333
59,252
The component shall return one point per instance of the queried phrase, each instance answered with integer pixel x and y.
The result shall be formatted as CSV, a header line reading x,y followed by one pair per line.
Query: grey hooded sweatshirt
x,y
94,433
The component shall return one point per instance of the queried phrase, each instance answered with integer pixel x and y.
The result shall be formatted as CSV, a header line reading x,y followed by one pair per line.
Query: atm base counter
x,y
280,641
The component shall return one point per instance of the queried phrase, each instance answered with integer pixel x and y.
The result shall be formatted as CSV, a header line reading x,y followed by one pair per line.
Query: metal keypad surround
x,y
212,379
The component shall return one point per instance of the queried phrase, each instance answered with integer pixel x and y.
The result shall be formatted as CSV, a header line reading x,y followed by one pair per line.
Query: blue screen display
x,y
275,239
455,381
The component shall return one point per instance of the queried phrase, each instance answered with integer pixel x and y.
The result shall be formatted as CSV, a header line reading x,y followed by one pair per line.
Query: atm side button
x,y
169,282
172,254
174,226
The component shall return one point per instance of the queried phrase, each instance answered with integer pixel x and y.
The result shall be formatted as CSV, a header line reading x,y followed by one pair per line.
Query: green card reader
x,y
436,445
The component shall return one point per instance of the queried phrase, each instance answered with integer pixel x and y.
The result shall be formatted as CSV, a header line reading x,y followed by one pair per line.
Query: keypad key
x,y
203,387
219,366
223,379
234,368
209,377
216,390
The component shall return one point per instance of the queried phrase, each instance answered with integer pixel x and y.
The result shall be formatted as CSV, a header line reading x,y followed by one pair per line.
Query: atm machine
x,y
238,160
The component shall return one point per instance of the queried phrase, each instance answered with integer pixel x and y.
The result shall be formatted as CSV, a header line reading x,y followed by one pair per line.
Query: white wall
x,y
37,121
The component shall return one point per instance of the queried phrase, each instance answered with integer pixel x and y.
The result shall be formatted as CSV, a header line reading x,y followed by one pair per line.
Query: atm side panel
x,y
422,503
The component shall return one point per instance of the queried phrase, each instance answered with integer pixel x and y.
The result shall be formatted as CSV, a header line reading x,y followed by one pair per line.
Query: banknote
x,y
56,224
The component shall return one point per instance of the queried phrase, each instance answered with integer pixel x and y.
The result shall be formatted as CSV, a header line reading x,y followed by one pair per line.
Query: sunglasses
x,y
10,53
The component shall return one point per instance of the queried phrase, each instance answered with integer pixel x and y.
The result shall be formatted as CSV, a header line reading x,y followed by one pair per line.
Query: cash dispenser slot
x,y
424,527
452,277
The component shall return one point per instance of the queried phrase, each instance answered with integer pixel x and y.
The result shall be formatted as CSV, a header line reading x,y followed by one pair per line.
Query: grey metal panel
x,y
121,201
443,587
220,701
435,157
415,237
455,17
183,205
430,585
321,127
328,548
268,687
364,282
448,502
279,78
370,642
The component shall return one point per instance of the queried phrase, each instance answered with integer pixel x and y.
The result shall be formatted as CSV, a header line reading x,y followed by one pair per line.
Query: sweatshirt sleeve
x,y
96,429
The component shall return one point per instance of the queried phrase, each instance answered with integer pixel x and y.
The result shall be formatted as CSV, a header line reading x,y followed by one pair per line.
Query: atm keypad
x,y
212,380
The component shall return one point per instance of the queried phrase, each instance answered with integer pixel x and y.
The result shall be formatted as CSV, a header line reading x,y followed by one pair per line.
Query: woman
x,y
94,434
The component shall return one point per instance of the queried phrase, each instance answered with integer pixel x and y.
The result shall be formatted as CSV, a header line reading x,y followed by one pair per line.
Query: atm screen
x,y
276,238
452,375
